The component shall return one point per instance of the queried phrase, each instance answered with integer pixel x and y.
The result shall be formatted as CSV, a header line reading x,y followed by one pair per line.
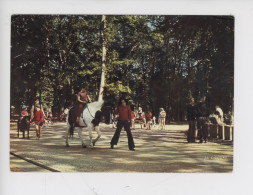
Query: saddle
x,y
72,116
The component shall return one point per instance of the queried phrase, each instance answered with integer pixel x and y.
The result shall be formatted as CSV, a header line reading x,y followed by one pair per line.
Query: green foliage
x,y
154,61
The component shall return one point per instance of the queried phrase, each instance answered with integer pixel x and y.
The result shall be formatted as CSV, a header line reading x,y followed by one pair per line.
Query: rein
x,y
89,111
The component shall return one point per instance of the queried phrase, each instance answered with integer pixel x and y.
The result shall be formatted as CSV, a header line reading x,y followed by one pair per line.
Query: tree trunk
x,y
63,98
102,82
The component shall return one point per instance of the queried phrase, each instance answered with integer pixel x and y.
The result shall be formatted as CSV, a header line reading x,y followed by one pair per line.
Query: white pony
x,y
90,118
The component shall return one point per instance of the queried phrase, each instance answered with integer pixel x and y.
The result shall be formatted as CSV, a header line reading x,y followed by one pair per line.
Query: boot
x,y
77,121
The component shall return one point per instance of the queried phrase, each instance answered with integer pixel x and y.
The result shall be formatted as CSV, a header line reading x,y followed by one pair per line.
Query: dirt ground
x,y
159,151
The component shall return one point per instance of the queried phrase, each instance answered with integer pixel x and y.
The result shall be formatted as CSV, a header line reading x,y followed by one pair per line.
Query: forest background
x,y
154,61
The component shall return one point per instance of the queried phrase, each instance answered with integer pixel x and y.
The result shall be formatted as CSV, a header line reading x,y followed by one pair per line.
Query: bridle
x,y
89,111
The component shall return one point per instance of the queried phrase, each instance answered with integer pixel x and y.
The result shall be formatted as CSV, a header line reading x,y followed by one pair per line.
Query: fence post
x,y
229,132
221,132
213,130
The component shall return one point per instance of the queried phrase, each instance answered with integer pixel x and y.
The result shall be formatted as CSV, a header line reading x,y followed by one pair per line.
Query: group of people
x,y
197,116
123,117
37,116
126,118
150,120
147,120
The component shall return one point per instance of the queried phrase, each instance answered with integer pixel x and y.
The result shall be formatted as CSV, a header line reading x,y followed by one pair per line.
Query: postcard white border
x,y
137,183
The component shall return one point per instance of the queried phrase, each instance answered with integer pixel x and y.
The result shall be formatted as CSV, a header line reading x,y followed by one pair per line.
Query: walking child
x,y
38,119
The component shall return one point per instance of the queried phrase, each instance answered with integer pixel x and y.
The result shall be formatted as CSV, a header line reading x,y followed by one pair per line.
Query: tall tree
x,y
103,39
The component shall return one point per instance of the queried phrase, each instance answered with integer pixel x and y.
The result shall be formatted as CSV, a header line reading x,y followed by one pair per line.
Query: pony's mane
x,y
97,104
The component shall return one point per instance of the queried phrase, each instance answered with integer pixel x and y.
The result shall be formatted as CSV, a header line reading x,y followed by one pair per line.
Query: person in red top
x,y
38,119
24,111
124,111
24,114
82,99
149,116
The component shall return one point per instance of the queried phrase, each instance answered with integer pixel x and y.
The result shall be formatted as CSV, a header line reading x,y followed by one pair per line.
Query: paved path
x,y
156,151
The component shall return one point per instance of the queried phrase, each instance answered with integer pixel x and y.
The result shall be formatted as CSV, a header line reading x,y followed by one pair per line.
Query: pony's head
x,y
98,118
105,111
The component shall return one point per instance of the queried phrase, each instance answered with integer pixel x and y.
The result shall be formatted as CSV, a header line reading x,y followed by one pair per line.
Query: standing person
x,y
149,117
66,112
191,118
143,117
82,99
201,115
38,119
162,117
132,120
124,111
33,110
114,120
154,121
140,112
220,114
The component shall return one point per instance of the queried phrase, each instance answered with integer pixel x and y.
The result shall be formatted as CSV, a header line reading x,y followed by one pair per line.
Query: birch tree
x,y
102,83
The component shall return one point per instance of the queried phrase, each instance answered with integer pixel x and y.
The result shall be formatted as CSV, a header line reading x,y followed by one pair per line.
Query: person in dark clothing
x,y
124,119
201,114
191,118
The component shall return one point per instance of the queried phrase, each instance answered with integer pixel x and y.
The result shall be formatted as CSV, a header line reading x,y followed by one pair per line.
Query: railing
x,y
224,132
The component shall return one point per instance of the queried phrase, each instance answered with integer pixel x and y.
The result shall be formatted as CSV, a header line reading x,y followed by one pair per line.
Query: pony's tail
x,y
71,120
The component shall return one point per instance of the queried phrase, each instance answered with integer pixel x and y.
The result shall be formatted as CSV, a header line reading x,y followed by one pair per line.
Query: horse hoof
x,y
93,143
67,145
84,146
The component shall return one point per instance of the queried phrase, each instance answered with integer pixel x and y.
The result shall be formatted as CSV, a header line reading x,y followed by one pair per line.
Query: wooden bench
x,y
224,132
221,132
213,129
229,131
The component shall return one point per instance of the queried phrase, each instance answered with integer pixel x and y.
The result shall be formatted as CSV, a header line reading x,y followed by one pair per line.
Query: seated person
x,y
24,116
82,99
23,112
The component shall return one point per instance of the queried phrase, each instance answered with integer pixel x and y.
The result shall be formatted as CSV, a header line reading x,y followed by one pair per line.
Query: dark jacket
x,y
191,112
201,110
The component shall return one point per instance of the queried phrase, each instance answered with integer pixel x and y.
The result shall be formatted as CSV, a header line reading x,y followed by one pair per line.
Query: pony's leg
x,y
79,130
67,134
24,132
99,135
90,128
28,130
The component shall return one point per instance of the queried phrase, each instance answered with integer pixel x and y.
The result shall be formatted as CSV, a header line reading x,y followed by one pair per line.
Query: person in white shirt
x,y
220,115
162,117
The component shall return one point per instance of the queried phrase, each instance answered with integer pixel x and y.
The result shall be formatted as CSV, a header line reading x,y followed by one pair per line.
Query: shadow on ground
x,y
156,151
